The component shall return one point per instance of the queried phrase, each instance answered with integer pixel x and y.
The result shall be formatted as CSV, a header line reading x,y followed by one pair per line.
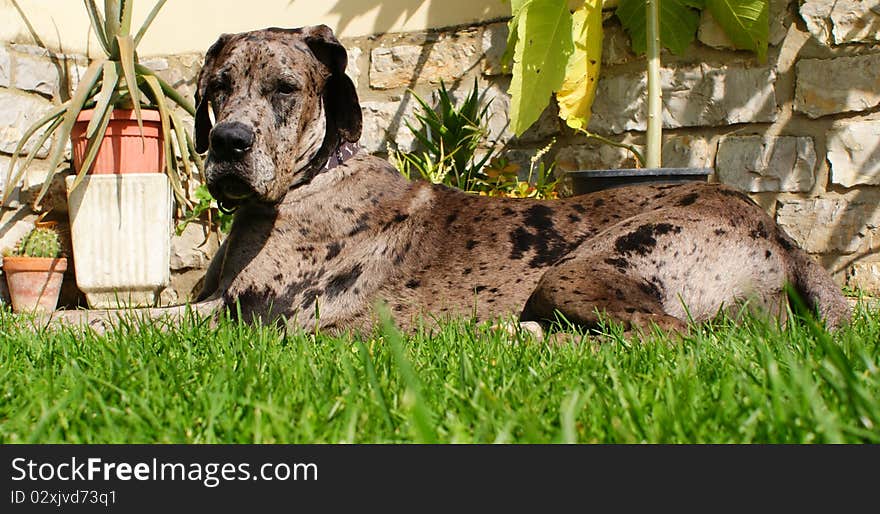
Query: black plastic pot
x,y
590,181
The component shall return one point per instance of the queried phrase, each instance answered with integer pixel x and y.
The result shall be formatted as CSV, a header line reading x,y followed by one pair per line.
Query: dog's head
x,y
281,104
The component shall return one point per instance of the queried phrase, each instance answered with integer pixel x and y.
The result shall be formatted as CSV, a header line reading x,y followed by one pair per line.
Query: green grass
x,y
232,383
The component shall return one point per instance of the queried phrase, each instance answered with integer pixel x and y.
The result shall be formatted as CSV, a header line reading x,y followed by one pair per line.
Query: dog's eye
x,y
286,88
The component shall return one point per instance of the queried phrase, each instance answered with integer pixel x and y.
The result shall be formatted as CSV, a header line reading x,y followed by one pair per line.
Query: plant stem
x,y
655,93
640,159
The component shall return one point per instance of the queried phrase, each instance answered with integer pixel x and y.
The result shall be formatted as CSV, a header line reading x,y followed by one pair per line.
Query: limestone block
x,y
757,164
854,153
842,21
494,44
692,97
194,248
18,111
37,74
842,84
825,225
688,151
5,67
383,123
404,65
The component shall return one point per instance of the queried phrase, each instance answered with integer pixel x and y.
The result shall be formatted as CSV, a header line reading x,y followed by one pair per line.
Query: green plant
x,y
206,205
450,136
42,241
557,51
502,178
117,80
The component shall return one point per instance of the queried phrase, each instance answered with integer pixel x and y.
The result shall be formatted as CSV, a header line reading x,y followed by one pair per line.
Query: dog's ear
x,y
340,95
203,120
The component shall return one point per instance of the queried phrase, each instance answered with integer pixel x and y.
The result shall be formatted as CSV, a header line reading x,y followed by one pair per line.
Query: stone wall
x,y
800,132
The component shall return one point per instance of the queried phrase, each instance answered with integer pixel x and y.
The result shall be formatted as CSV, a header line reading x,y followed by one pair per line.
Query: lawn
x,y
464,383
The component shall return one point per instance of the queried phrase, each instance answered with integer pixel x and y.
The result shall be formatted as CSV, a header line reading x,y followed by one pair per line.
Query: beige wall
x,y
185,26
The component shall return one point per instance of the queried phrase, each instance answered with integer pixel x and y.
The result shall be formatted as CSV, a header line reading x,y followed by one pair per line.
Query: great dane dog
x,y
323,230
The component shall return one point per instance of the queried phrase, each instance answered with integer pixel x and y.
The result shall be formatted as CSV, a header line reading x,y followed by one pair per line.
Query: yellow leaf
x,y
578,89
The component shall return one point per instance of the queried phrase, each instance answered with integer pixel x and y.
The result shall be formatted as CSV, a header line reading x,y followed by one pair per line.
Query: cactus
x,y
40,242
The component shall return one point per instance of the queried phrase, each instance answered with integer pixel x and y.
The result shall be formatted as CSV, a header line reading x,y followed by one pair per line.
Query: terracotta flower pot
x,y
34,282
122,150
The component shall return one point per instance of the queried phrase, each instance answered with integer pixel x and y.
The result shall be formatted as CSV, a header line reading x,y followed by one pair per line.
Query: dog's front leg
x,y
102,320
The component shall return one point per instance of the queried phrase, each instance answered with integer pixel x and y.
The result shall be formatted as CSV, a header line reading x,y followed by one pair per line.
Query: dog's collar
x,y
343,152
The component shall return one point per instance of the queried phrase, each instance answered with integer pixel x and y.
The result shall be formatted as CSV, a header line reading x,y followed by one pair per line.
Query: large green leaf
x,y
746,23
679,20
578,89
543,46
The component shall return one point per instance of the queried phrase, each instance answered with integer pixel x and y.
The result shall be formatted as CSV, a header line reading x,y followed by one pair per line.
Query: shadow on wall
x,y
389,16
390,12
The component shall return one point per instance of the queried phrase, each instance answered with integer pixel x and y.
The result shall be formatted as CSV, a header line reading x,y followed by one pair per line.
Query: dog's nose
x,y
231,140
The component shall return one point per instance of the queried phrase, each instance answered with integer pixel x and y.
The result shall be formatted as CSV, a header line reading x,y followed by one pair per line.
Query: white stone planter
x,y
121,232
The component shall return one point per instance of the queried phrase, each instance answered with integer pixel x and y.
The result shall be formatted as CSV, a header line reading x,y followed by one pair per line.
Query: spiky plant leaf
x,y
97,24
109,81
82,93
148,21
126,57
51,117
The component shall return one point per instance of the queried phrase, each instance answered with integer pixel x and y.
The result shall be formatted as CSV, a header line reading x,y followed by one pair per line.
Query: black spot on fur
x,y
760,232
359,226
521,240
471,244
399,218
768,254
333,250
652,288
309,298
507,211
278,277
720,231
642,240
413,284
620,264
598,202
580,208
538,217
688,200
574,218
480,289
451,218
340,283
737,195
784,243
467,271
